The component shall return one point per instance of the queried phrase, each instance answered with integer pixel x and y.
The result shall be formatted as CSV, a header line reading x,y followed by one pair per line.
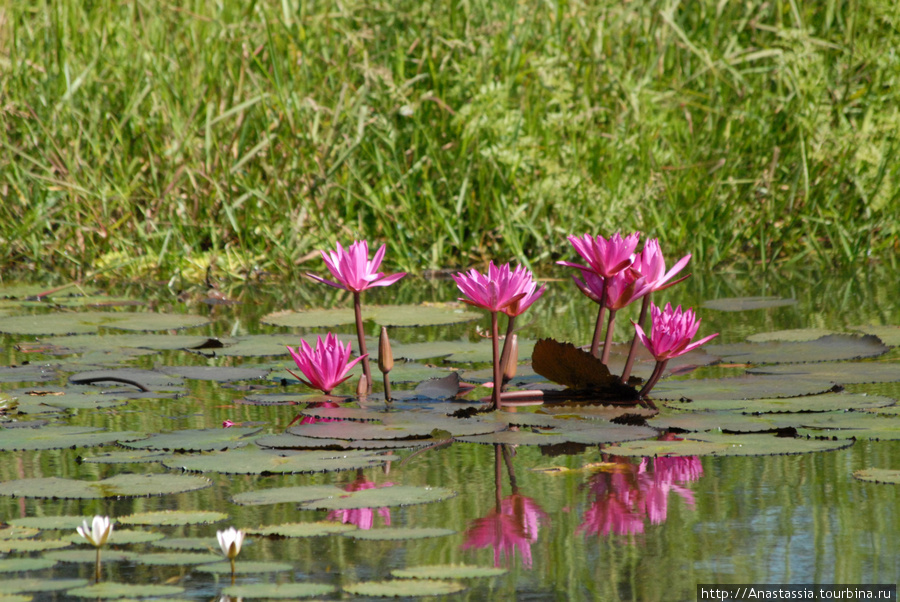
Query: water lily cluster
x,y
614,275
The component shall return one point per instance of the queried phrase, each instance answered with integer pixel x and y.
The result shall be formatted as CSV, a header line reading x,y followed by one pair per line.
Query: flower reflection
x,y
625,494
363,518
514,522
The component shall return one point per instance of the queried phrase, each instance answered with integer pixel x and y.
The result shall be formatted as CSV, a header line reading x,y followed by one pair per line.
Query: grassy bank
x,y
146,137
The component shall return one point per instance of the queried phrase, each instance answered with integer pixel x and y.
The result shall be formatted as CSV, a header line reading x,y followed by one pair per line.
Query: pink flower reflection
x,y
514,527
319,404
364,518
626,494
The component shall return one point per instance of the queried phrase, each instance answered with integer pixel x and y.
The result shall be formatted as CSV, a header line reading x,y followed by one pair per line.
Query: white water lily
x,y
97,532
230,541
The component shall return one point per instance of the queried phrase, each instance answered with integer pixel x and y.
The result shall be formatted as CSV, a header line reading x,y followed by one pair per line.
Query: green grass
x,y
150,138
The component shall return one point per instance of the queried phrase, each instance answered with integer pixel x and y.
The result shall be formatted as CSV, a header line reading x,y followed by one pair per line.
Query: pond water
x,y
564,521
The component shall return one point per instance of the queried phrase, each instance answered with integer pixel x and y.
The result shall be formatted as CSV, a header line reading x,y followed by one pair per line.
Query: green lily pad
x,y
828,348
286,495
30,373
91,321
878,475
20,565
315,529
397,495
74,398
399,533
448,571
740,387
845,373
825,402
15,586
404,588
123,485
193,440
889,335
189,543
108,589
714,444
173,517
178,559
127,457
17,532
277,399
216,373
154,342
278,590
794,335
148,379
356,430
421,351
747,303
385,315
852,425
245,568
258,461
734,422
314,318
59,437
123,537
48,523
90,556
264,345
410,372
32,545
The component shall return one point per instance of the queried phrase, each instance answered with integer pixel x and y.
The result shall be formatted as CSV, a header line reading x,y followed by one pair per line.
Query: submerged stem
x,y
598,330
498,379
632,352
607,343
361,337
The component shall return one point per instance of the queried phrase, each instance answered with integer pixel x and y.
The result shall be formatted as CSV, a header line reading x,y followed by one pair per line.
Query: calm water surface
x,y
627,529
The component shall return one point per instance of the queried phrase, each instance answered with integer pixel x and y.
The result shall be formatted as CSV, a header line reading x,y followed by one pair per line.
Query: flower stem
x,y
629,363
598,330
361,337
498,379
97,567
607,344
232,570
507,343
654,378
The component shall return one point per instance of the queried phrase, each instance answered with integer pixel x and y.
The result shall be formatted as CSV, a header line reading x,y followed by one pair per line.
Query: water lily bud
x,y
362,387
385,355
512,362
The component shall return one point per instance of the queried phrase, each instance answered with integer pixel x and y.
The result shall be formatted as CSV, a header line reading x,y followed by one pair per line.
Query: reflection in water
x,y
624,494
364,518
304,419
514,522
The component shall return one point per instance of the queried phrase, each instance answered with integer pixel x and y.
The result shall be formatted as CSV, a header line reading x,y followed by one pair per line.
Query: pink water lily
x,y
670,336
326,366
651,264
353,270
605,257
505,290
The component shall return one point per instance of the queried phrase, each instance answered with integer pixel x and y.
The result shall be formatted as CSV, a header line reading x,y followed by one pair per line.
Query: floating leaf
x,y
141,379
198,439
91,321
90,556
245,568
48,523
852,425
432,314
412,372
315,529
31,545
59,437
448,571
845,373
19,565
566,364
123,537
445,387
878,475
30,373
17,532
712,444
15,586
155,342
189,543
173,517
741,387
431,349
278,590
399,533
796,335
123,485
725,421
828,348
216,373
109,589
178,559
262,345
286,495
315,318
397,495
404,588
889,335
257,461
357,430
69,398
747,303
826,402
296,442
127,457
